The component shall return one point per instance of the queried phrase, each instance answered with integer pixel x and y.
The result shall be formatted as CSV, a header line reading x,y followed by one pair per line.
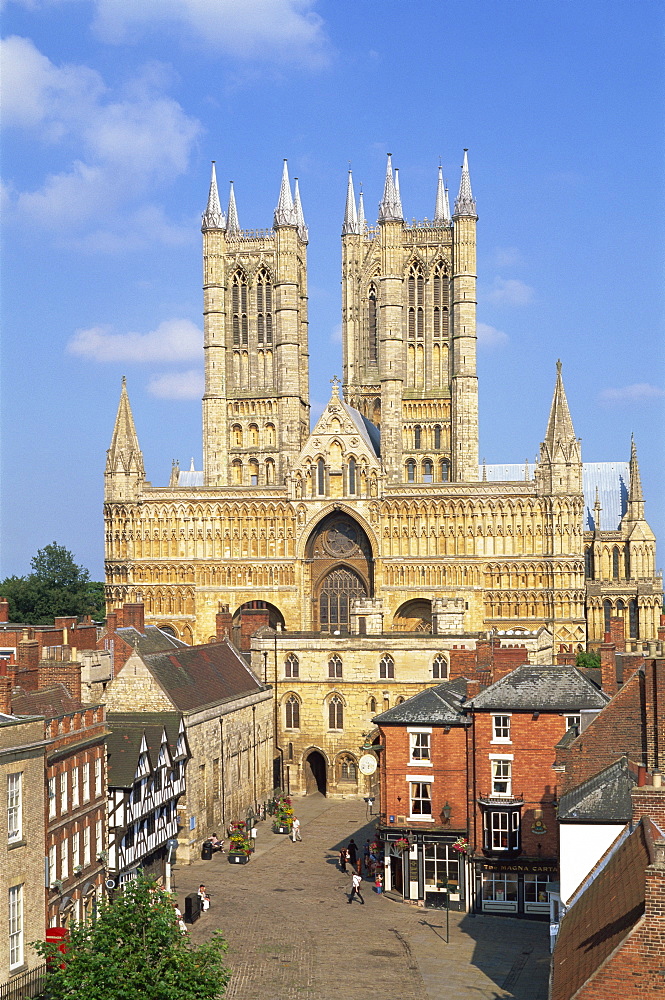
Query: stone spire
x,y
560,425
560,465
350,226
300,218
362,223
596,512
465,203
398,197
635,496
232,225
285,213
125,471
442,208
390,206
213,217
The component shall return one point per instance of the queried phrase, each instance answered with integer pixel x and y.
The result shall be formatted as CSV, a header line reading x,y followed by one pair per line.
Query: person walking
x,y
295,830
356,882
343,857
352,853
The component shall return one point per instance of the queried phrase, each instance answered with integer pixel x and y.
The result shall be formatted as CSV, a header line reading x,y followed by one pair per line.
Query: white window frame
x,y
86,781
99,837
64,858
52,864
63,792
16,942
500,728
76,787
76,850
574,719
501,770
15,807
52,798
415,781
86,845
416,737
98,776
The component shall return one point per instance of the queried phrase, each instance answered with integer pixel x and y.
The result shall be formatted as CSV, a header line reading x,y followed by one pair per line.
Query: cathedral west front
x,y
374,543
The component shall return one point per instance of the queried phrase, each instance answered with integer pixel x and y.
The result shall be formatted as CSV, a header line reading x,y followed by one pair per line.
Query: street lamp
x,y
445,812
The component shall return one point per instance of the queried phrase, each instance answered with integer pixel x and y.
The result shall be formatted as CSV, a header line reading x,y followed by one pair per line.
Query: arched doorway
x,y
414,616
340,557
316,773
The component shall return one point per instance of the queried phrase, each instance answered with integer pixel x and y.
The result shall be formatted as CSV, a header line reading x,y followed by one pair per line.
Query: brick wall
x,y
52,672
251,619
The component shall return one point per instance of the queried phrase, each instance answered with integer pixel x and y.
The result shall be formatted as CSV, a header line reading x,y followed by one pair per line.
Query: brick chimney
x,y
52,672
224,623
111,623
649,800
472,688
661,629
566,655
505,661
5,689
4,610
133,616
608,667
462,663
251,619
618,634
654,897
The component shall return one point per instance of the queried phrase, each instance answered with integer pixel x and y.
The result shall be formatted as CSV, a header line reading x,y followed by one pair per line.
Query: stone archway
x,y
414,616
316,773
340,557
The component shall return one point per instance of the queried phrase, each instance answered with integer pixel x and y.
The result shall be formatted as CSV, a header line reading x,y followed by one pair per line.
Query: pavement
x,y
293,936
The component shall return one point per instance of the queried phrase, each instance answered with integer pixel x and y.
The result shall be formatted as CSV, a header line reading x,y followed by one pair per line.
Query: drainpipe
x,y
275,725
223,776
254,756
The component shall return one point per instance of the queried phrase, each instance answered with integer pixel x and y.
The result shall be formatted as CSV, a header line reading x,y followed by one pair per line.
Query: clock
x,y
367,763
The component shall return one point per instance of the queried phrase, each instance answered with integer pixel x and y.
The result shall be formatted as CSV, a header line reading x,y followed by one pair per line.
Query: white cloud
x,y
336,335
510,292
285,30
638,392
178,385
125,146
489,336
507,257
173,341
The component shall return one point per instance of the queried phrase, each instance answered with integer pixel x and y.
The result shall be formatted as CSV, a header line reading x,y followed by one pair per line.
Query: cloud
x,y
510,292
489,336
638,392
282,30
173,341
507,257
336,334
122,147
177,385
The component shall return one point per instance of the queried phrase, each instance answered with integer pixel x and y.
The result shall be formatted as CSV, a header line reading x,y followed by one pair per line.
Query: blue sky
x,y
112,111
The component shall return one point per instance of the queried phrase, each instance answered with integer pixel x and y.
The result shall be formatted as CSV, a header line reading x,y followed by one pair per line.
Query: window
x,y
75,788
372,705
607,614
239,309
335,666
76,851
615,563
253,435
236,435
292,713
633,620
129,836
500,729
157,780
264,309
339,589
253,472
437,436
64,859
573,722
86,782
99,837
63,792
352,475
335,713
373,331
52,807
411,471
420,746
441,865
501,830
86,845
347,769
428,472
417,434
387,667
291,666
15,926
439,667
52,864
588,562
14,807
137,792
445,471
421,799
270,435
501,776
320,477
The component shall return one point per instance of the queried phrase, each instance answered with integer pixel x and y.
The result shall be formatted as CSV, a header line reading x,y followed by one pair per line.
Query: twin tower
x,y
408,333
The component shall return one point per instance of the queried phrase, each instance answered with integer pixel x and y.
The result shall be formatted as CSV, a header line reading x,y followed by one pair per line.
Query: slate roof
x,y
604,914
541,688
124,742
368,431
49,702
197,676
435,706
152,640
604,798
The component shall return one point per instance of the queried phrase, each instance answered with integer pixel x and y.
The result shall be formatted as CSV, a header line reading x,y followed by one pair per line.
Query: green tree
x,y
135,950
56,587
587,659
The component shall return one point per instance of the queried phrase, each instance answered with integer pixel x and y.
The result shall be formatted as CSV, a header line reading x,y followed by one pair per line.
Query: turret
x,y
124,476
560,465
391,326
213,217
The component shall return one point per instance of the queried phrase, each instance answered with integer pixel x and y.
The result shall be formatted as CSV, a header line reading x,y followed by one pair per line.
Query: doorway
x,y
397,874
315,773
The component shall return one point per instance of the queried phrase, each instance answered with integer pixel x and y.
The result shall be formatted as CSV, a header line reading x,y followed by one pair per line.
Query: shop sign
x,y
494,867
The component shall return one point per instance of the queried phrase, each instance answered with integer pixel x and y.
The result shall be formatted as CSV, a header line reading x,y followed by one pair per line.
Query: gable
x,y
134,689
340,434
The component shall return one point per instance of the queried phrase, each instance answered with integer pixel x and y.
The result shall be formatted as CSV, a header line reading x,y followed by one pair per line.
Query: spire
x,y
560,425
560,465
232,225
442,208
635,496
300,218
124,461
362,223
350,226
596,511
284,213
213,217
465,203
390,206
398,197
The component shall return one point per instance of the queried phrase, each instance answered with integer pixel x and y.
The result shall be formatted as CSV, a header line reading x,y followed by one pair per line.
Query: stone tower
x,y
124,476
409,332
256,400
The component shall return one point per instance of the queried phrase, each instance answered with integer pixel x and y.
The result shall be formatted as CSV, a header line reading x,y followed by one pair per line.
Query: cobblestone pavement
x,y
293,936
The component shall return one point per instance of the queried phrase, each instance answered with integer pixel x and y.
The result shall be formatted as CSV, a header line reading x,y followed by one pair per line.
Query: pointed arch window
x,y
372,705
387,667
335,713
588,562
607,614
372,326
633,620
416,301
264,308
347,768
439,667
239,309
292,712
615,563
352,475
335,666
321,477
440,295
292,666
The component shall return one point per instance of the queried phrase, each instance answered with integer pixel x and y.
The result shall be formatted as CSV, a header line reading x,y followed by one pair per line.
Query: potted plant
x,y
56,885
78,869
403,844
283,815
240,847
461,845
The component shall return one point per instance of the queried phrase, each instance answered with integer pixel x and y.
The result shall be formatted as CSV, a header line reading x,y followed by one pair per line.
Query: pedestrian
x,y
366,855
295,829
356,882
343,857
204,897
352,852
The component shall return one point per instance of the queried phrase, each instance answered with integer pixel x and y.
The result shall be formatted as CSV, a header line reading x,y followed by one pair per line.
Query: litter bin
x,y
192,908
206,851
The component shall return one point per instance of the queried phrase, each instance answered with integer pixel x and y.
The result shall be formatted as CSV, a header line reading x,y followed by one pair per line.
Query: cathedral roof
x,y
368,431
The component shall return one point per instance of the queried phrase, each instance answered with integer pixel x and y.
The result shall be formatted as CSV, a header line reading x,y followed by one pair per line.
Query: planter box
x,y
282,828
238,859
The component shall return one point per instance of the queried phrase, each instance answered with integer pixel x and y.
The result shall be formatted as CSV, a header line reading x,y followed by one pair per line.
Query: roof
x,y
151,640
197,676
436,706
124,741
368,431
604,798
605,913
49,702
541,688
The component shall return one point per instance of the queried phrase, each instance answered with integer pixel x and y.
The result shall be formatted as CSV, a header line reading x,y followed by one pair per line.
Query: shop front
x,y
516,888
426,868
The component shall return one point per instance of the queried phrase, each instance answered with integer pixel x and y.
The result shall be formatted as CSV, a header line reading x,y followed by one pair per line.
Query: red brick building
x,y
471,768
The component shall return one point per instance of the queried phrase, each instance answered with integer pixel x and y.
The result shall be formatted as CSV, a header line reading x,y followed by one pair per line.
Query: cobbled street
x,y
293,936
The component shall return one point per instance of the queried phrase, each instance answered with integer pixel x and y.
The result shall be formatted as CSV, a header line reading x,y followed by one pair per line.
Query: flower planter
x,y
281,828
238,858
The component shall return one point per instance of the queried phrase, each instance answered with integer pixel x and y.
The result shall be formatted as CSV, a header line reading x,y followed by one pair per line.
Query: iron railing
x,y
26,984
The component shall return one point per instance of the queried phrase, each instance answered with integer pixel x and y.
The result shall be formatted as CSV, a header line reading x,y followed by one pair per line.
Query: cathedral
x,y
374,543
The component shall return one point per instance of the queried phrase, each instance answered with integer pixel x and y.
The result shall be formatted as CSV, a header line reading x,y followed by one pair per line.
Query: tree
x,y
135,950
587,659
56,587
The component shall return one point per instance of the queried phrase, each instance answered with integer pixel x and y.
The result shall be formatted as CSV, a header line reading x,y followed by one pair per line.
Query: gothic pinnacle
x,y
284,213
350,225
213,217
441,209
232,225
390,208
300,218
465,203
361,212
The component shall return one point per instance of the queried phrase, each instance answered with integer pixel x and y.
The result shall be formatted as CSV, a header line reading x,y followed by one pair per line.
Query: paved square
x,y
292,934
